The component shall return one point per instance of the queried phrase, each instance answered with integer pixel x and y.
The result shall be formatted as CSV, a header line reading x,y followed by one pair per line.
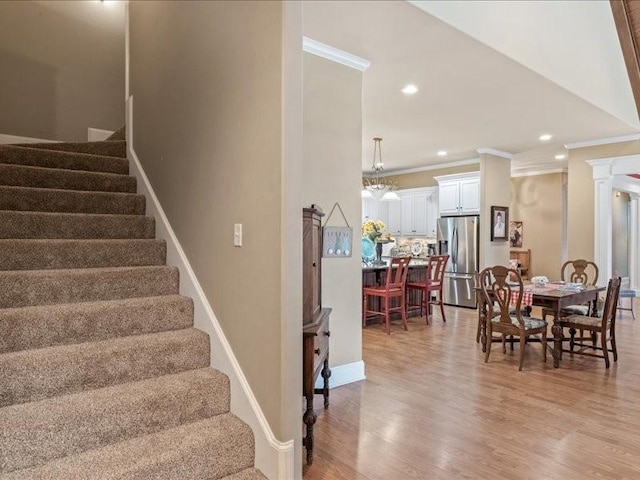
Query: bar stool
x,y
631,295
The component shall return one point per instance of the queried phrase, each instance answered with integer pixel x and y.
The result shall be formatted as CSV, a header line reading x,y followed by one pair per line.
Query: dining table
x,y
553,296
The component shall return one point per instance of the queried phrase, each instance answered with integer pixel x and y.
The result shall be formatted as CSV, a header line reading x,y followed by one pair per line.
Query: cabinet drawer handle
x,y
327,334
317,351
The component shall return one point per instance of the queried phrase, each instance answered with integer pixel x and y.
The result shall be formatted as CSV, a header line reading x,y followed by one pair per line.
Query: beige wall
x,y
537,202
426,178
332,149
62,68
580,195
208,129
495,181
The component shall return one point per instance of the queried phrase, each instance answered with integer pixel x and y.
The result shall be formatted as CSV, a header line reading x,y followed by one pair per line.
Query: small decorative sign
x,y
337,241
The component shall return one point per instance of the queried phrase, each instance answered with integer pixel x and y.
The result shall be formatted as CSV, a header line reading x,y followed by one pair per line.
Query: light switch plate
x,y
237,234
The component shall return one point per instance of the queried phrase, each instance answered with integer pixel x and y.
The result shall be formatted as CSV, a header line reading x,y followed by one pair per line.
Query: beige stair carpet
x,y
102,375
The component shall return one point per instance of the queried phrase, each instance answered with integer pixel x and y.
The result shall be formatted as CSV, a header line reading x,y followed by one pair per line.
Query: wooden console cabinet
x,y
315,323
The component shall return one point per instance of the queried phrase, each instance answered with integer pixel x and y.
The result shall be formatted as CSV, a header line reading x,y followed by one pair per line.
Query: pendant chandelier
x,y
376,185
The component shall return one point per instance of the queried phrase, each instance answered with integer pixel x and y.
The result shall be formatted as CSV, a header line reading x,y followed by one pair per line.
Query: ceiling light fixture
x,y
442,153
375,183
546,137
560,156
410,89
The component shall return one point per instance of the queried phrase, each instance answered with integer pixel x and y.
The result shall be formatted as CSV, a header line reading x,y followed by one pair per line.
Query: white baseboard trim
x,y
274,458
5,139
97,134
343,374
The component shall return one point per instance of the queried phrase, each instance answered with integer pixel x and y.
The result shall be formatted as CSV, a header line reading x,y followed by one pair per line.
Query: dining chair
x,y
576,271
498,294
431,288
605,325
631,295
394,287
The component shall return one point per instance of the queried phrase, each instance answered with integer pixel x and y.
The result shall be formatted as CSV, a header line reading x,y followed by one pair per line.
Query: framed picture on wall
x,y
515,234
336,241
499,222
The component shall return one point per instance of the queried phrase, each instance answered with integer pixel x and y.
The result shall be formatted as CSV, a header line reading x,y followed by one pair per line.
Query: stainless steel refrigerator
x,y
458,237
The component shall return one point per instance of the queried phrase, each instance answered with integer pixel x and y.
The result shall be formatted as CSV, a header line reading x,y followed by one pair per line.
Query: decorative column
x,y
603,223
634,237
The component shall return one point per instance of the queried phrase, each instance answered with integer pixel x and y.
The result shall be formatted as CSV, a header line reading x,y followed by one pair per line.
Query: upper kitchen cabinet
x,y
418,212
373,209
459,194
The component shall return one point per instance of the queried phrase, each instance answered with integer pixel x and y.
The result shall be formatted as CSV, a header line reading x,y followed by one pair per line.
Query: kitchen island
x,y
376,275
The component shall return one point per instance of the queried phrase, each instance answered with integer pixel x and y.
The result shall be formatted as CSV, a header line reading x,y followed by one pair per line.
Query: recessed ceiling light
x,y
561,156
409,90
442,153
545,137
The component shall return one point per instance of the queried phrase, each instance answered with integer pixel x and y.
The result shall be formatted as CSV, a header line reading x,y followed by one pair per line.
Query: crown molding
x,y
603,141
457,177
460,163
497,153
530,172
334,54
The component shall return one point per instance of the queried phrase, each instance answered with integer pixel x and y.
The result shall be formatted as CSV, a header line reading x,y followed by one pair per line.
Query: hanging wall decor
x,y
337,241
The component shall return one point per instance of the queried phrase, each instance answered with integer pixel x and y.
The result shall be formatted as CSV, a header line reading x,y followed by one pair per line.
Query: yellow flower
x,y
372,229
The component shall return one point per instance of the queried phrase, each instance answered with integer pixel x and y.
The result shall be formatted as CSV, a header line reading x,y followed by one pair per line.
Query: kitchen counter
x,y
415,262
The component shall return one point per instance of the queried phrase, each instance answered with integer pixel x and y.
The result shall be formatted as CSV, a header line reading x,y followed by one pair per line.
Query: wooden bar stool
x,y
432,285
394,287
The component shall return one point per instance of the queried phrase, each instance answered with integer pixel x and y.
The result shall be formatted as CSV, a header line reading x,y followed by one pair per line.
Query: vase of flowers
x,y
374,230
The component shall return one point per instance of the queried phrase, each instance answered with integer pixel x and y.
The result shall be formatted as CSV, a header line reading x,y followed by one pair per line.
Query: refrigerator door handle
x,y
454,249
462,276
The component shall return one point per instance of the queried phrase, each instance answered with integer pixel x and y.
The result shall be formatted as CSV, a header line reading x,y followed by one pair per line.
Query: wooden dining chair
x,y
431,288
394,287
498,295
605,325
576,271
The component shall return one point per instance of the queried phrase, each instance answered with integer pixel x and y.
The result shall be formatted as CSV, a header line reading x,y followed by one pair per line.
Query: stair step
x,y
36,157
33,375
70,201
50,287
248,474
206,450
53,254
53,325
74,225
31,432
111,148
23,176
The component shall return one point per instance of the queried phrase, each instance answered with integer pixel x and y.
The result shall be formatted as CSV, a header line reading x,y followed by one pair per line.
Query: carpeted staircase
x,y
102,375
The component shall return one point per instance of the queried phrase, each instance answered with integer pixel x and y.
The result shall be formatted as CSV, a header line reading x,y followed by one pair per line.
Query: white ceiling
x,y
470,96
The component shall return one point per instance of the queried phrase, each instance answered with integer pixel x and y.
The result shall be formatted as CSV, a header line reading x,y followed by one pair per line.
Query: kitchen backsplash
x,y
410,246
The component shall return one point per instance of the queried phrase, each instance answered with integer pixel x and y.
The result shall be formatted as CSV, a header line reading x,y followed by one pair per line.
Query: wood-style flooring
x,y
430,408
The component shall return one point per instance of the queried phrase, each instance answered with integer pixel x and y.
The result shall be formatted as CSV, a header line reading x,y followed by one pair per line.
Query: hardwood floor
x,y
431,408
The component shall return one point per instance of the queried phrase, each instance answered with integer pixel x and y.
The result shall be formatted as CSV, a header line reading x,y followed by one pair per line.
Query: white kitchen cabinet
x,y
373,209
369,209
414,214
459,194
470,196
394,224
432,215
